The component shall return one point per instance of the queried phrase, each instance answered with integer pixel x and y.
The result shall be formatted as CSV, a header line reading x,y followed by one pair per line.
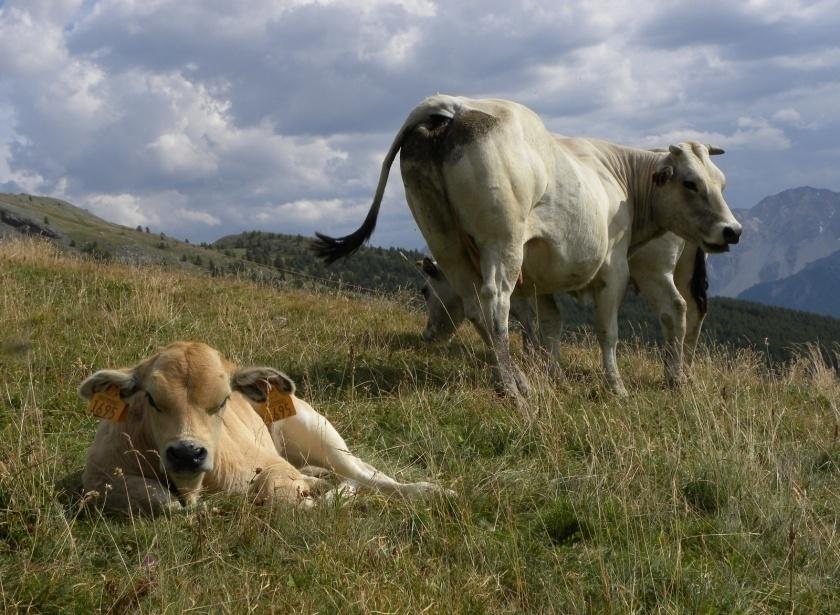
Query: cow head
x,y
177,400
444,308
689,197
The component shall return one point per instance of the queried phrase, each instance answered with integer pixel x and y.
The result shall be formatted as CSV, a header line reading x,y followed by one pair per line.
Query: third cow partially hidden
x,y
669,273
503,203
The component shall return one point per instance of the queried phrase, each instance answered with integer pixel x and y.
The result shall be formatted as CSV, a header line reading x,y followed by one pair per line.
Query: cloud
x,y
204,117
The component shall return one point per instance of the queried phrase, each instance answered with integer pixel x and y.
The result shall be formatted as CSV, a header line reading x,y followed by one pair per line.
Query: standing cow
x,y
503,203
669,273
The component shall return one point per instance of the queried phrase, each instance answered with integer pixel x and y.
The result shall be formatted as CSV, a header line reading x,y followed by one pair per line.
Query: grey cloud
x,y
208,117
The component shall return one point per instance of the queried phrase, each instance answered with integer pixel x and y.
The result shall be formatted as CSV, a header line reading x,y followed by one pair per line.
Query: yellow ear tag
x,y
277,407
108,405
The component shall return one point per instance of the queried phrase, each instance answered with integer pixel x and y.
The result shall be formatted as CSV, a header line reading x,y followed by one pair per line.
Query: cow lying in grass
x,y
186,421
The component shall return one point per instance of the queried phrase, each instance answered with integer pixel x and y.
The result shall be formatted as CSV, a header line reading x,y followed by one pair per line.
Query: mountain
x,y
782,235
816,288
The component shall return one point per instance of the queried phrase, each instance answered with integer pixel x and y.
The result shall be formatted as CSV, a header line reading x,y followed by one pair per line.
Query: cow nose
x,y
731,234
186,457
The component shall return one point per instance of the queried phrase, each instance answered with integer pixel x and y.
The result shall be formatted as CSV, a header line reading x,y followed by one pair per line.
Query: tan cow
x,y
187,421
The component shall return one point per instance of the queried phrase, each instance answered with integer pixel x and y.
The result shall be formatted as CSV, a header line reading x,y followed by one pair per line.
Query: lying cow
x,y
504,204
187,421
674,291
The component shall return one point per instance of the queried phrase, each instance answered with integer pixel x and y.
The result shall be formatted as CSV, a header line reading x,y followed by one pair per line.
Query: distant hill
x,y
816,288
77,230
783,233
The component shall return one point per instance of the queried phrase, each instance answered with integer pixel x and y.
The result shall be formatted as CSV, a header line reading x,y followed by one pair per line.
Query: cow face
x,y
690,199
176,400
444,308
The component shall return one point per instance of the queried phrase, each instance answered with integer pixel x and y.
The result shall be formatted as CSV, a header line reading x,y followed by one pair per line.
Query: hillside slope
x,y
816,288
76,230
721,497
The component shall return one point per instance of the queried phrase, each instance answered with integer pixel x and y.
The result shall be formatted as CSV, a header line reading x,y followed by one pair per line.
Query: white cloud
x,y
120,208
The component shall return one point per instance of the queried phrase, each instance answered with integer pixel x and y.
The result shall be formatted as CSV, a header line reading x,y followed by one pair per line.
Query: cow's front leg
x,y
667,303
128,494
691,280
607,300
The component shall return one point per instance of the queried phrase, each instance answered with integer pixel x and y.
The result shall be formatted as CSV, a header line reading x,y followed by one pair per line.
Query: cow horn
x,y
714,151
676,150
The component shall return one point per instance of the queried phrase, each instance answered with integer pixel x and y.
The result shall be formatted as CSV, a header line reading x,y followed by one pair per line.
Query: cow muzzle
x,y
187,458
730,234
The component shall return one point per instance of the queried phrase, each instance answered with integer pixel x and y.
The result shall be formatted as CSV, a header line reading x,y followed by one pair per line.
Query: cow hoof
x,y
521,382
618,389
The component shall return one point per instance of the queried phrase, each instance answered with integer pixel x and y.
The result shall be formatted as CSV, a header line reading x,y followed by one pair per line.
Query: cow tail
x,y
330,249
700,282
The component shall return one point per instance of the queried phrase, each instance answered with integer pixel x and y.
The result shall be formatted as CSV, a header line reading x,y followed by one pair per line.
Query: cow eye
x,y
690,185
152,402
425,292
221,406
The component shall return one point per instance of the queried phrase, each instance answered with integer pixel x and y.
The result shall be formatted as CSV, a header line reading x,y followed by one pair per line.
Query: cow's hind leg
x,y
607,300
308,438
501,265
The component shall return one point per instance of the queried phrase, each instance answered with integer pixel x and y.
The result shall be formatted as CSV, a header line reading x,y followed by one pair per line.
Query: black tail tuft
x,y
700,282
330,249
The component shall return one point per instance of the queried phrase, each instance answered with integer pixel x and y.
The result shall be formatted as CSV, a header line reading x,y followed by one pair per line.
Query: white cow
x,y
676,292
502,203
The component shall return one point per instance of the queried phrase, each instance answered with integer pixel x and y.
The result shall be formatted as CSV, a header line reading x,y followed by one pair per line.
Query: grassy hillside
x,y
380,269
79,231
286,260
719,498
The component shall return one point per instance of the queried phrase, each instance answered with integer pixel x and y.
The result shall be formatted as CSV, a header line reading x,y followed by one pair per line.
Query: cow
x,y
675,291
504,204
186,421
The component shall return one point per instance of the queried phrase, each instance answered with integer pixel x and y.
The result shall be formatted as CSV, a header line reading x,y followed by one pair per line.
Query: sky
x,y
202,118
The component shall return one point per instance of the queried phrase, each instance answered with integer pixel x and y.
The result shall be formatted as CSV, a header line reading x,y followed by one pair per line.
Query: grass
x,y
723,497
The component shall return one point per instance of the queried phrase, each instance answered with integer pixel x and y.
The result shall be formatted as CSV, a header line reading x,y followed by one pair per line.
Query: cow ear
x,y
253,382
123,379
661,177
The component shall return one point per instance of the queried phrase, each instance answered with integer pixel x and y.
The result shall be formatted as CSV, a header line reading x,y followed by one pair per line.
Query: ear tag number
x,y
278,406
108,405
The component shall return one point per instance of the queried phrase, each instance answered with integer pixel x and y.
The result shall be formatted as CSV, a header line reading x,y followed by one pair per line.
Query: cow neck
x,y
634,169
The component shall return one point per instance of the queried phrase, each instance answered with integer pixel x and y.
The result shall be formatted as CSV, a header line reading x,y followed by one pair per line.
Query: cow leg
x,y
690,272
279,481
666,302
500,270
135,494
308,438
550,328
522,310
607,300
